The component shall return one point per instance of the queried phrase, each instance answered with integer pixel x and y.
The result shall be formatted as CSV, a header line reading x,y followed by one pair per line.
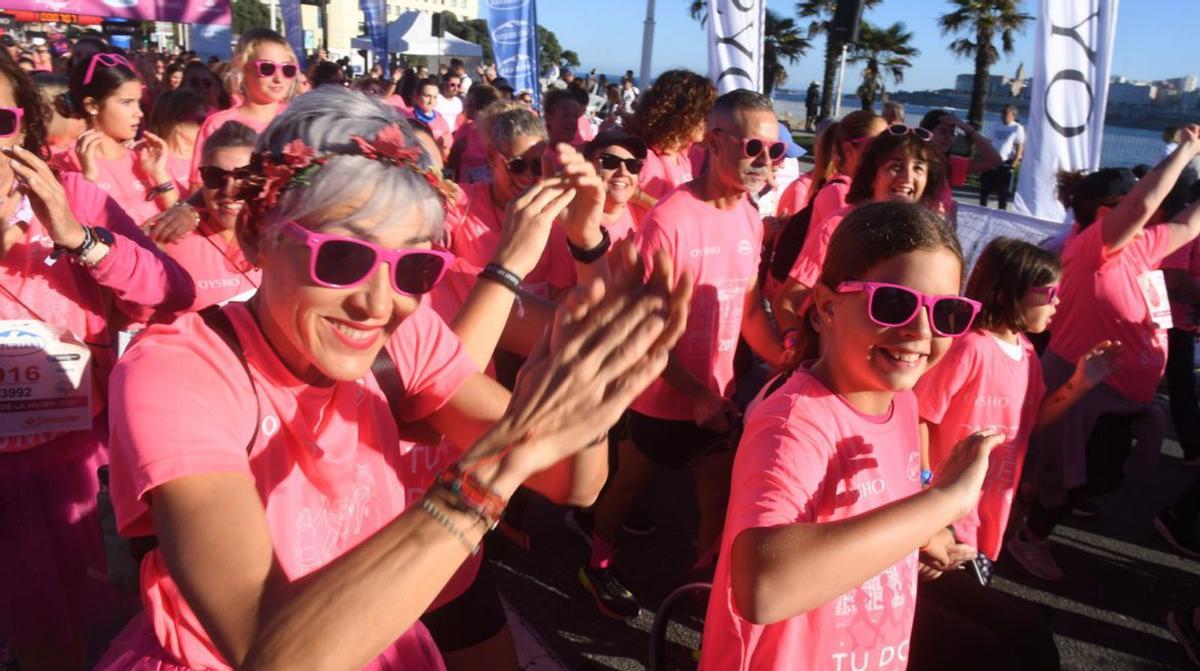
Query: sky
x,y
1155,39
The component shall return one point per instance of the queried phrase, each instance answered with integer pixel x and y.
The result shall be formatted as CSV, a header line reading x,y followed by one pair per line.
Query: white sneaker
x,y
1035,557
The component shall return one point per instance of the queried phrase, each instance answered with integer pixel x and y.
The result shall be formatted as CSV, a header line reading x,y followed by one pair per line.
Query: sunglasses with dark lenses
x,y
753,147
901,129
10,120
612,162
1049,292
267,69
895,305
519,164
216,178
338,262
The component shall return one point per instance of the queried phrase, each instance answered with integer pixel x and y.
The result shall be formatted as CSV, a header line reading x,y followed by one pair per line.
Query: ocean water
x,y
1121,147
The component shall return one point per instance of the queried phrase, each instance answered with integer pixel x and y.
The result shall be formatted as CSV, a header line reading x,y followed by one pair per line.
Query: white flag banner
x,y
977,226
1070,92
735,43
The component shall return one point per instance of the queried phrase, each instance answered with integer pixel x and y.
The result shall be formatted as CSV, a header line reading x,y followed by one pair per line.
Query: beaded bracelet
x,y
159,189
473,495
437,514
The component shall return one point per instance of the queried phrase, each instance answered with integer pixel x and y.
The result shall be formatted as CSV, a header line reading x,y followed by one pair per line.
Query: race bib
x,y
1154,291
45,380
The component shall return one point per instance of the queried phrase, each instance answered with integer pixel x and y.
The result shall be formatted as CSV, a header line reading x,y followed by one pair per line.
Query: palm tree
x,y
883,52
981,20
781,41
821,13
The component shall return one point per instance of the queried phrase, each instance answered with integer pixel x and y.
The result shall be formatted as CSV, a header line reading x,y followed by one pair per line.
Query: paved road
x,y
1108,614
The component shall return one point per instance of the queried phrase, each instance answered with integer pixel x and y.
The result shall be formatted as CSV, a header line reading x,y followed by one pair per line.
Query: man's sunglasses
x,y
216,178
339,262
895,305
10,120
267,69
753,147
612,162
517,165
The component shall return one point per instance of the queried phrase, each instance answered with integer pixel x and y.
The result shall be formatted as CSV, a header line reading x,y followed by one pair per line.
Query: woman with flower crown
x,y
265,464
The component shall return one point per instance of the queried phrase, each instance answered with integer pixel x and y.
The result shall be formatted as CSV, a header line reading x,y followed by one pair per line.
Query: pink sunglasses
x,y
895,305
338,262
108,61
10,120
753,147
1051,293
267,69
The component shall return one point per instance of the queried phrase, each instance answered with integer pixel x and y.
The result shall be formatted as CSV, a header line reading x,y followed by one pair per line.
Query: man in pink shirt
x,y
686,418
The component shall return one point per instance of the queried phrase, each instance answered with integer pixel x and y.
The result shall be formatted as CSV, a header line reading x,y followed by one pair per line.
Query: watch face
x,y
103,235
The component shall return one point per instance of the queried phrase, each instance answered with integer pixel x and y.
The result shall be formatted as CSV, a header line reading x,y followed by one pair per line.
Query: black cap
x,y
616,137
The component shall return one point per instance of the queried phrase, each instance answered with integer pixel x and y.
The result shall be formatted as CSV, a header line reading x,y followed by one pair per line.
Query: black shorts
x,y
470,618
675,443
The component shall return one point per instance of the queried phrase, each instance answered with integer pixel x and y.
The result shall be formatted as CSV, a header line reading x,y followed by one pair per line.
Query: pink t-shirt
x,y
958,167
625,227
89,303
212,124
123,180
979,385
808,457
1186,258
811,259
219,268
476,234
472,163
721,248
661,173
793,197
180,168
326,460
830,199
442,133
1102,299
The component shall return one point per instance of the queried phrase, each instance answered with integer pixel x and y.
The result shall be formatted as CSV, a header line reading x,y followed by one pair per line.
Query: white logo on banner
x,y
515,66
735,43
512,32
503,5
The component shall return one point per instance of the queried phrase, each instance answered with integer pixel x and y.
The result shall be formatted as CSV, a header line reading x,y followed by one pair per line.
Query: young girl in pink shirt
x,y
991,377
61,288
105,90
818,562
1111,290
263,73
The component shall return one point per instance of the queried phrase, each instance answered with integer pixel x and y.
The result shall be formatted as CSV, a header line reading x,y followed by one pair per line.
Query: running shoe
x,y
1180,533
1034,556
612,598
1183,628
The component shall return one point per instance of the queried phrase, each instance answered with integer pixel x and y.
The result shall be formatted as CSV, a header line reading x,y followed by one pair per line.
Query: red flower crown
x,y
269,176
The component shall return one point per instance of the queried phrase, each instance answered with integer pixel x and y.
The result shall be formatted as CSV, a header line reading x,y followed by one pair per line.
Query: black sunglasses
x,y
612,162
519,164
216,178
201,83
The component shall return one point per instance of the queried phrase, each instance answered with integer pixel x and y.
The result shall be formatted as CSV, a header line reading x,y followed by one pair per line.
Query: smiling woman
x,y
254,567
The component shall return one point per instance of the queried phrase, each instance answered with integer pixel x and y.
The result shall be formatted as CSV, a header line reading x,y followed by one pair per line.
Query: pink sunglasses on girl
x,y
339,262
893,305
108,61
1049,292
267,69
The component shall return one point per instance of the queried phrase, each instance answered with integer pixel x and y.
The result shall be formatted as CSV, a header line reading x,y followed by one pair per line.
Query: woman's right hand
x,y
961,476
606,345
86,148
527,224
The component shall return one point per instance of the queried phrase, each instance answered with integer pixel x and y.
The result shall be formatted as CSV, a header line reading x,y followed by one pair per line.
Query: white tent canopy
x,y
412,34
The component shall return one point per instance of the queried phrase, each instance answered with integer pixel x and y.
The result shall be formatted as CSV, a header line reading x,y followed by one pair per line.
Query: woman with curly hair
x,y
670,118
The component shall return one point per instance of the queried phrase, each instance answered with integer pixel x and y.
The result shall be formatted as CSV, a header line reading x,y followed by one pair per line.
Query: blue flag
x,y
293,28
375,18
512,25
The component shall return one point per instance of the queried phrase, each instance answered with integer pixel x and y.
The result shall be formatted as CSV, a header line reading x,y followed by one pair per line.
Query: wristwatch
x,y
92,237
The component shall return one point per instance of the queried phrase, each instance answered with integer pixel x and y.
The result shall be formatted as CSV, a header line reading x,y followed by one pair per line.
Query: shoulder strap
x,y
390,383
219,322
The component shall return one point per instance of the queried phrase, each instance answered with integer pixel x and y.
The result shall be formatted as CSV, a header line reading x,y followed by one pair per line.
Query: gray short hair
x,y
325,119
740,99
507,121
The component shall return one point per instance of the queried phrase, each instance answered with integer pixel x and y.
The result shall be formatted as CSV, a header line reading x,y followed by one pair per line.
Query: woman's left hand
x,y
151,152
46,196
581,222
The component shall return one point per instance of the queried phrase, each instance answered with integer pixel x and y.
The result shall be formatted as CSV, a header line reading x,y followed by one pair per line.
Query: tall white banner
x,y
1070,92
735,43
